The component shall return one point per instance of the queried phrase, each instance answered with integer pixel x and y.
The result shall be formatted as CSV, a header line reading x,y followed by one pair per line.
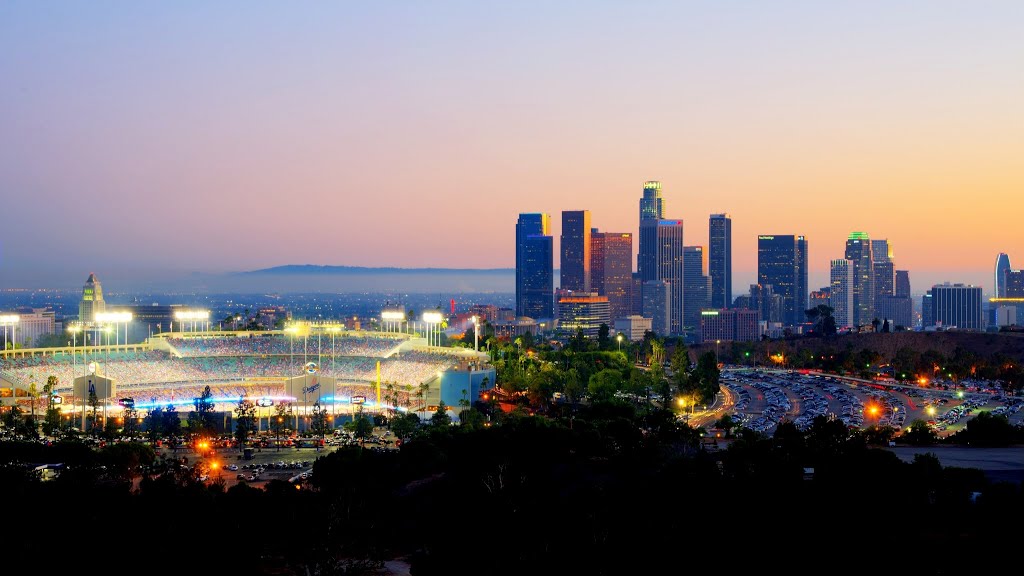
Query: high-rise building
x,y
92,300
927,310
885,280
782,262
575,263
633,327
898,310
657,296
582,311
858,251
820,297
636,294
881,250
534,266
1002,266
770,307
652,206
737,325
661,258
34,323
611,270
1014,283
696,287
902,288
957,305
720,260
841,293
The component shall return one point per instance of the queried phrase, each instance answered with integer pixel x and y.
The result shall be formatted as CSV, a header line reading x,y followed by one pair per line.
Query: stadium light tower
x,y
115,319
193,316
433,322
476,334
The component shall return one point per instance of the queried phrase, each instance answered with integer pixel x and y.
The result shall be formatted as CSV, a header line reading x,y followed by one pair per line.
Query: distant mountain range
x,y
318,270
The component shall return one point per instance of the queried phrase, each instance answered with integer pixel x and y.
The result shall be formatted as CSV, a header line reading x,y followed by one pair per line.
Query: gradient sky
x,y
198,136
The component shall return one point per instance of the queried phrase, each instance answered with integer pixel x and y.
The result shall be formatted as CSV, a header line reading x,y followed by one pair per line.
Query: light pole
x,y
618,340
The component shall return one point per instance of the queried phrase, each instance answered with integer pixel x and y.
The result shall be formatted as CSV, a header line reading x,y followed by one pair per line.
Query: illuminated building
x,y
92,300
586,312
611,269
782,263
736,325
534,266
957,305
575,250
858,251
720,260
696,287
841,293
652,205
1002,267
661,258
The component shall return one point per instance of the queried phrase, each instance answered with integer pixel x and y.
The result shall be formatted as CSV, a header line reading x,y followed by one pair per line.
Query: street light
x,y
618,338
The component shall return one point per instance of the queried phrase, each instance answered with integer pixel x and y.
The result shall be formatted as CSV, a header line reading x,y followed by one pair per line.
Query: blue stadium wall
x,y
453,382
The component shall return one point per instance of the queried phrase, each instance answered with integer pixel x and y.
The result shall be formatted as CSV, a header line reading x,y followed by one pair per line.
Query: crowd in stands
x,y
140,369
370,346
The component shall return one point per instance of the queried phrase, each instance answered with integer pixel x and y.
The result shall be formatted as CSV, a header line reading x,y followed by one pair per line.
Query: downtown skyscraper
x,y
534,266
858,251
661,258
841,292
696,287
652,206
611,270
782,263
575,247
1002,267
720,260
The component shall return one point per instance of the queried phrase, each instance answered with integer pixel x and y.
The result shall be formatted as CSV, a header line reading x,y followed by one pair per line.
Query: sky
x,y
146,139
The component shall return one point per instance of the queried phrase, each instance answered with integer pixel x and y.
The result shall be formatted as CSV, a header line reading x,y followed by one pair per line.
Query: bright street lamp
x,y
618,338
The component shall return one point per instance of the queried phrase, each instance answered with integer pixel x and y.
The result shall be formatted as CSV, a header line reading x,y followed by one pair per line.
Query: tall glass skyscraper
x,y
782,262
1002,267
611,270
858,251
652,206
720,260
661,258
534,266
575,264
841,292
696,287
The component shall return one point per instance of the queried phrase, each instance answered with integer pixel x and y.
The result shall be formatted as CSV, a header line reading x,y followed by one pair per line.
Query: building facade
x,y
612,270
696,288
584,312
858,251
658,305
534,266
652,206
92,300
782,263
575,250
957,305
841,292
1013,281
633,327
720,260
734,325
663,260
1002,267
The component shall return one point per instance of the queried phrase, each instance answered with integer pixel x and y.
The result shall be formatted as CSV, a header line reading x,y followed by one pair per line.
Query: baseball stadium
x,y
305,364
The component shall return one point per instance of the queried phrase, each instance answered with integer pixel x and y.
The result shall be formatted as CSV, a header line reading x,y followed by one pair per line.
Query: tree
x,y
280,421
319,424
604,341
919,434
705,377
440,418
361,426
155,423
726,423
51,423
885,327
875,324
94,403
200,419
603,385
171,421
245,420
403,425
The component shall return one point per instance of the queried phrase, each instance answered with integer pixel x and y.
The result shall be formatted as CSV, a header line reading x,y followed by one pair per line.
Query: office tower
x,y
696,287
841,293
881,250
820,297
1014,283
782,263
636,294
596,261
1002,266
902,288
898,310
92,300
611,270
737,325
720,260
770,307
575,263
652,206
858,251
885,280
661,253
927,310
534,266
582,311
633,327
957,305
657,296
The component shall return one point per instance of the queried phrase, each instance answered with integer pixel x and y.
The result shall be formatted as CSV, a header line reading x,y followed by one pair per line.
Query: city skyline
x,y
127,151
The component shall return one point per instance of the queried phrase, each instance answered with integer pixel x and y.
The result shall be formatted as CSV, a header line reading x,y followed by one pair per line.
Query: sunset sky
x,y
198,136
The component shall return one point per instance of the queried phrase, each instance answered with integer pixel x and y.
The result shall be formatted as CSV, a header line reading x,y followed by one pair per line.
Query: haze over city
x,y
147,142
